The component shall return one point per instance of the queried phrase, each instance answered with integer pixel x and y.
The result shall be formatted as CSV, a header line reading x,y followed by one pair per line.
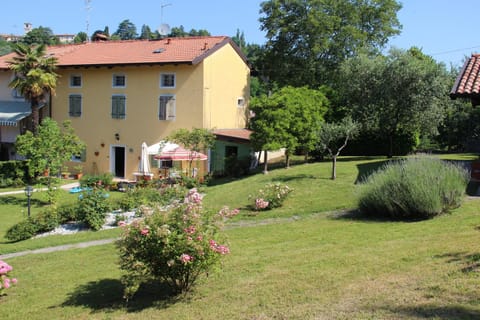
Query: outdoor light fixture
x,y
28,192
117,136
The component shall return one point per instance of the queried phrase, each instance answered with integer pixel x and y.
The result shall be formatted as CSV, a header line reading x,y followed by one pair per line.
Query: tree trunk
x,y
265,162
287,159
35,117
334,167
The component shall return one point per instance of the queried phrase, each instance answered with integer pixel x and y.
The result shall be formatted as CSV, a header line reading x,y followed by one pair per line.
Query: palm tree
x,y
34,76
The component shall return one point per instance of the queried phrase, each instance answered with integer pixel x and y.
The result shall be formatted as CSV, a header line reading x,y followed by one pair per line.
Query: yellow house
x,y
119,94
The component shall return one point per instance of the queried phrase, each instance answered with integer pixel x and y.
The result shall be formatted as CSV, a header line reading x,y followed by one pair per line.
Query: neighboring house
x,y
232,148
119,94
14,116
467,84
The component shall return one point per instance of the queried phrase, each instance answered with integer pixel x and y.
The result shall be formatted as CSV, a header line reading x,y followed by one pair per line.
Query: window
x,y
166,110
80,157
164,164
240,102
231,151
118,107
16,94
75,81
75,105
119,81
167,80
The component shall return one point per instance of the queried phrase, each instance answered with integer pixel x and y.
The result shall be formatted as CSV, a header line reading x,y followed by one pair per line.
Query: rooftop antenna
x,y
87,9
164,28
163,5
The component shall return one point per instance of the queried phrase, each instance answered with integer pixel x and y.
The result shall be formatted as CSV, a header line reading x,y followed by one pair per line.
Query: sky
x,y
444,29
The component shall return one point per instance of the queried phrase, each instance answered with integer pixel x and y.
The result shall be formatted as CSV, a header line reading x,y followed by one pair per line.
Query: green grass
x,y
318,267
323,264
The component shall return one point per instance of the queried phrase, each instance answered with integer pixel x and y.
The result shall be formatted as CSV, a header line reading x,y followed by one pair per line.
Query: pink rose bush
x,y
271,196
5,278
174,246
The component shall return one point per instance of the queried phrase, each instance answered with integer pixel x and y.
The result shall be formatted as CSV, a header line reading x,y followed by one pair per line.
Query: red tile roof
x,y
242,134
190,50
467,84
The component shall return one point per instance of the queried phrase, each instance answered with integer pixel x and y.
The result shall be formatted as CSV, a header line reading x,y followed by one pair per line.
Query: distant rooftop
x,y
467,84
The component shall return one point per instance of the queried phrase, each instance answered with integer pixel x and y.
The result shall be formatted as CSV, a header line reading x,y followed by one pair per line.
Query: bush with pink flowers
x,y
6,281
272,195
173,246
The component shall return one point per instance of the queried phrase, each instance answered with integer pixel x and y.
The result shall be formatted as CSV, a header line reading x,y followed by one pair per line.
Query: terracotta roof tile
x,y
468,81
243,134
190,50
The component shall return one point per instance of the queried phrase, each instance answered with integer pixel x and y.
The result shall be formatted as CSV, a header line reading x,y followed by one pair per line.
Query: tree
x,y
333,137
195,140
267,126
239,39
34,77
5,47
126,30
198,33
402,93
146,33
81,37
308,39
50,148
39,36
289,119
180,32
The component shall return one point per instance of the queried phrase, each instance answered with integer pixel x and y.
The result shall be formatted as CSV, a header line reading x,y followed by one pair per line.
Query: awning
x,y
179,154
11,112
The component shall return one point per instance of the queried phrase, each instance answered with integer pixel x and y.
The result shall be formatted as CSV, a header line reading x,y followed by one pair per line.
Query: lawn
x,y
327,263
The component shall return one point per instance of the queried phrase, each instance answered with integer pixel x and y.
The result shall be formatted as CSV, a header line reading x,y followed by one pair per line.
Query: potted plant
x,y
78,172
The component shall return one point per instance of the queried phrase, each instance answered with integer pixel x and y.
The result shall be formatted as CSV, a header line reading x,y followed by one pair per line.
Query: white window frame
x,y
70,113
125,107
114,80
168,74
170,107
76,75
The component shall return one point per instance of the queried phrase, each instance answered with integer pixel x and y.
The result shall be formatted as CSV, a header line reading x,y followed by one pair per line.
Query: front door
x,y
118,161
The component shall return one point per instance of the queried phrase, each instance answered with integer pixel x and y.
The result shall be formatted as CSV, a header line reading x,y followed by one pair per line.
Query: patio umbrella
x,y
179,154
161,146
144,165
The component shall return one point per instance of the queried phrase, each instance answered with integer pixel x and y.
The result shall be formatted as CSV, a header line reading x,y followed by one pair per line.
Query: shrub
x,y
13,173
67,212
104,181
272,195
235,167
149,196
415,188
93,207
21,231
5,277
173,246
44,221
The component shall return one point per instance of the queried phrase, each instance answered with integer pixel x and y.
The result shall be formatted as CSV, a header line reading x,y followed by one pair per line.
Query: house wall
x,y
5,90
226,80
97,128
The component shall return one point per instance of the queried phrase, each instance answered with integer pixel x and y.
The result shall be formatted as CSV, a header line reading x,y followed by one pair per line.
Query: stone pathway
x,y
58,248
